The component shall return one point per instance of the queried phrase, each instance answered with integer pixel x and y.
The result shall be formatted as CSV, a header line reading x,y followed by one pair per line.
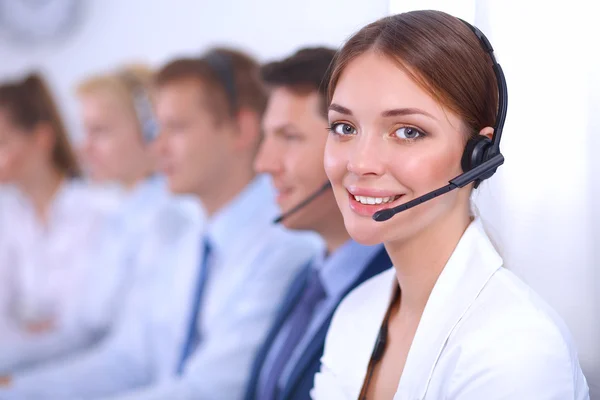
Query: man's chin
x,y
177,188
296,221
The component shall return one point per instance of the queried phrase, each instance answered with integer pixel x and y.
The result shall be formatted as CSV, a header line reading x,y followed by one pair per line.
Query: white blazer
x,y
483,335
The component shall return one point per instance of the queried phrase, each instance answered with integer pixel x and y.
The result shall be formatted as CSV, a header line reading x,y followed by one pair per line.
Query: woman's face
x,y
17,150
113,149
391,142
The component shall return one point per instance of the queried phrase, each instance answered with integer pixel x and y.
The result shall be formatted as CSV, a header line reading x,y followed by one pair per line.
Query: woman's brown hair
x,y
440,53
28,104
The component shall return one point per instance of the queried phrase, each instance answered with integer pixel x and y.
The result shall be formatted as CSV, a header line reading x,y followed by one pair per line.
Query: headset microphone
x,y
458,182
481,156
303,203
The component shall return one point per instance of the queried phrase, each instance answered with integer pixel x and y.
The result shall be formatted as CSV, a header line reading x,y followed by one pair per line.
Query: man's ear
x,y
248,133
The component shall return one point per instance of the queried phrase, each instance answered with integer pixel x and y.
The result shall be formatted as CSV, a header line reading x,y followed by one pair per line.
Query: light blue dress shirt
x,y
337,272
252,264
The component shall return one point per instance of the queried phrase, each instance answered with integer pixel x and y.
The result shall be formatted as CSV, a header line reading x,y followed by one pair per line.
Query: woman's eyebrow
x,y
396,112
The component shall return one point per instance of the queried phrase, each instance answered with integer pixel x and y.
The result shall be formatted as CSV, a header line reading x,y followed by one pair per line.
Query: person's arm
x,y
85,319
120,362
29,348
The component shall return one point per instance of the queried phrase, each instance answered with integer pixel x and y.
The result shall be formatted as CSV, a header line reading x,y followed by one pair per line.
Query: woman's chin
x,y
366,241
364,234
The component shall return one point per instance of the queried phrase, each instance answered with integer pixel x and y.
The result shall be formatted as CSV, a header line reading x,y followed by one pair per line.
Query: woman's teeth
x,y
375,200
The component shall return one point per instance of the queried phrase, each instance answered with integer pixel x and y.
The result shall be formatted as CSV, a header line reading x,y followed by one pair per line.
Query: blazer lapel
x,y
292,298
313,352
472,264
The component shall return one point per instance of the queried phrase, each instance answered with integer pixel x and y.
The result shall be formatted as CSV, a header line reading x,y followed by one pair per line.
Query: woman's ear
x,y
487,131
44,136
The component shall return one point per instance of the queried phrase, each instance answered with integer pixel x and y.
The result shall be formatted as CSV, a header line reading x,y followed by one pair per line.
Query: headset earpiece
x,y
477,150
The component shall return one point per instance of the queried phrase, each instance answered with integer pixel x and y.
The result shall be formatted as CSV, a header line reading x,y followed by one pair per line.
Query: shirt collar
x,y
342,267
253,203
143,194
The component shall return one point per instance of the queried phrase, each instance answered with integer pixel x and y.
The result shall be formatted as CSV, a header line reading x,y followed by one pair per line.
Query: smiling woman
x,y
410,96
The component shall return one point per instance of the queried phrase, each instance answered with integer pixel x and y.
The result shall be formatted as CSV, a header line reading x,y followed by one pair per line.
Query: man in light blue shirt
x,y
197,316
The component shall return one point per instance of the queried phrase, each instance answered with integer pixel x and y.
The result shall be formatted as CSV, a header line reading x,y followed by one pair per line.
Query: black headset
x,y
222,65
479,148
142,105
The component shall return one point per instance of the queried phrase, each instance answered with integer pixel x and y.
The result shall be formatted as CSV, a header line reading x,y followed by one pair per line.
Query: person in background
x,y
416,100
119,130
291,152
196,322
119,126
50,220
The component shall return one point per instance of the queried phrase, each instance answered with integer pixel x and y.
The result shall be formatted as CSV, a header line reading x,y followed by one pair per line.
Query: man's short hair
x,y
305,71
231,78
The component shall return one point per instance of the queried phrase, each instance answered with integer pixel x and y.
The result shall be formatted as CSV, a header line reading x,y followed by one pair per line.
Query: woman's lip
x,y
368,210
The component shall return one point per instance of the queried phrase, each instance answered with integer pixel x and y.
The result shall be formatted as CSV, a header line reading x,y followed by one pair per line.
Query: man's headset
x,y
480,160
222,66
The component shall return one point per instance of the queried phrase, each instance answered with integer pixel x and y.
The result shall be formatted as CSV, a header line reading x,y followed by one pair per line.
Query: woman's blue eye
x,y
408,133
343,129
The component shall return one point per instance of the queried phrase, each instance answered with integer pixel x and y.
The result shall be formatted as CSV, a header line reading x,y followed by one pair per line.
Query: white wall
x,y
117,31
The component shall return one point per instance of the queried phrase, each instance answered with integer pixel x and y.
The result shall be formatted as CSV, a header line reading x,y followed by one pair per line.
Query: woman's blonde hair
x,y
131,84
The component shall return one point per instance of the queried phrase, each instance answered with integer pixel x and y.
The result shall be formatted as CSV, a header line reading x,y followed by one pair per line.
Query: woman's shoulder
x,y
511,334
517,305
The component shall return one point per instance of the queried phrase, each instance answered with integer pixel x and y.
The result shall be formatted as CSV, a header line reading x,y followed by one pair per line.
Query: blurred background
x,y
93,35
542,208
